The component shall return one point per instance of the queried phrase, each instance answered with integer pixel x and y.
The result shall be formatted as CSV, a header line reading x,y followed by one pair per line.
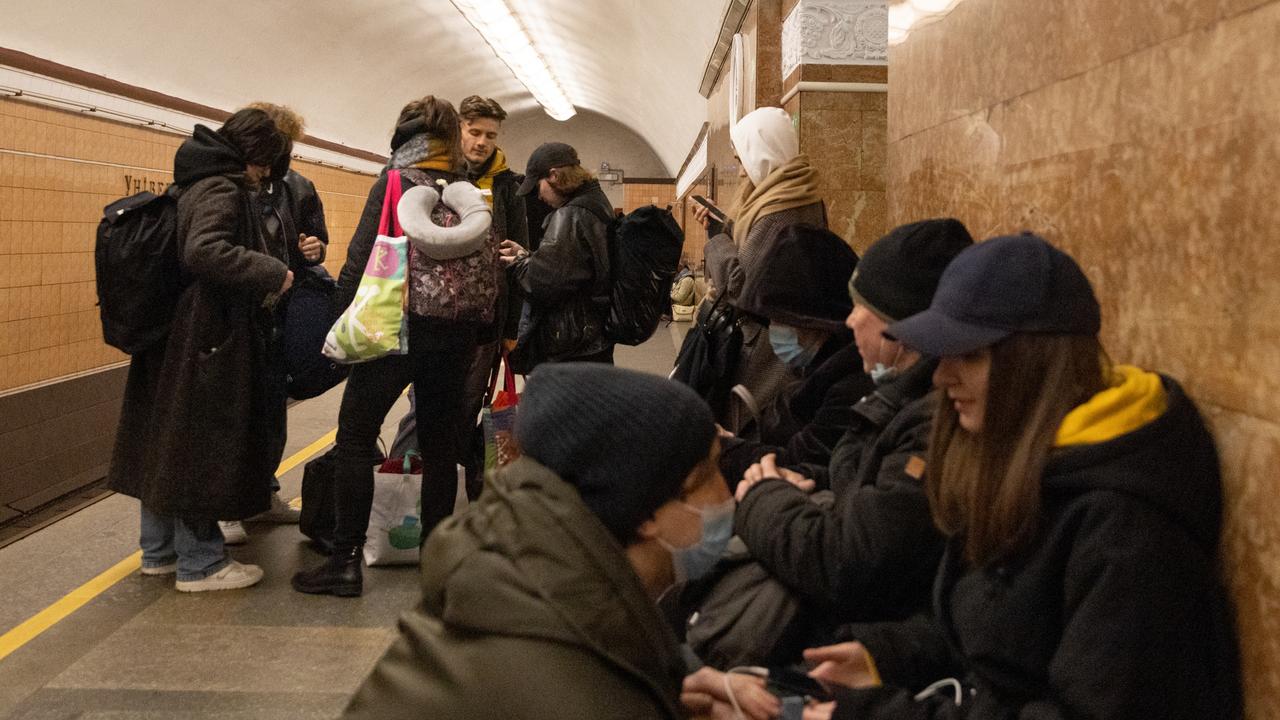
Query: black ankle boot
x,y
339,575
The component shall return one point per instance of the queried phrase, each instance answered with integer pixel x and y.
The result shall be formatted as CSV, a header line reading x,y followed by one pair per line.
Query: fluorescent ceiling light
x,y
509,41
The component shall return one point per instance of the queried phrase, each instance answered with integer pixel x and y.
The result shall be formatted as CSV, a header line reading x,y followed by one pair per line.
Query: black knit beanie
x,y
801,279
626,440
899,273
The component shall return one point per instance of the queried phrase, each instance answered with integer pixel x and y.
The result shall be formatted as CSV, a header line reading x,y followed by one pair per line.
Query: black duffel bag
x,y
308,317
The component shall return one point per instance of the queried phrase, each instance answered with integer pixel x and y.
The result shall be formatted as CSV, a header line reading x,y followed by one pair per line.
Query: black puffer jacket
x,y
1115,610
871,554
566,282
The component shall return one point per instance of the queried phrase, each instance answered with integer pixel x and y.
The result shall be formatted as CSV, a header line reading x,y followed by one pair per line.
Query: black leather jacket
x,y
566,282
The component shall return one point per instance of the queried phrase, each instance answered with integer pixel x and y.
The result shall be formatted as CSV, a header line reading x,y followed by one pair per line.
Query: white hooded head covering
x,y
765,141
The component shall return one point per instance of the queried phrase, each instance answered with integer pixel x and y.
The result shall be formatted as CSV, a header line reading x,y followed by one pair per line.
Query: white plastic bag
x,y
395,523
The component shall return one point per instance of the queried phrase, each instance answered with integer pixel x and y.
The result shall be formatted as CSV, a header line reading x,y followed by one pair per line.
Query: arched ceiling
x,y
349,65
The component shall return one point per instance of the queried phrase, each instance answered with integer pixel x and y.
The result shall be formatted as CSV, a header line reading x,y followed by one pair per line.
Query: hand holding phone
x,y
711,217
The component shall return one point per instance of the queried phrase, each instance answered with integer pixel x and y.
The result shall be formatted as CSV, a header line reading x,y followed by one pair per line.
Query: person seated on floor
x,y
800,287
538,601
867,549
1083,505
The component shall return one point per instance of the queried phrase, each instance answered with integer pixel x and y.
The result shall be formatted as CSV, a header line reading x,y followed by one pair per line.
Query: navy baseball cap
x,y
546,157
1005,285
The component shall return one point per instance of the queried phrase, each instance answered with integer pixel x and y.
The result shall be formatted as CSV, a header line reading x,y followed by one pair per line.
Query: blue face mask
x,y
786,345
691,563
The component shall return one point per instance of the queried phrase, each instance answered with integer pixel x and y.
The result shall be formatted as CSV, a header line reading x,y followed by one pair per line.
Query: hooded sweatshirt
x,y
765,141
531,610
205,155
1114,610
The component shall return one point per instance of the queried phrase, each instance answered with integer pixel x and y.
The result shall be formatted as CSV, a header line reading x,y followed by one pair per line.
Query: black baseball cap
x,y
547,156
1005,285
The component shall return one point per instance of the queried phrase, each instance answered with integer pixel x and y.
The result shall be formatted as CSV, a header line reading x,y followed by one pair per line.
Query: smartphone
x,y
712,209
789,681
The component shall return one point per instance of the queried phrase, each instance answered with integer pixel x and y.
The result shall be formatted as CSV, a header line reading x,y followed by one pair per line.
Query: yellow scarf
x,y
791,186
438,157
1133,399
497,164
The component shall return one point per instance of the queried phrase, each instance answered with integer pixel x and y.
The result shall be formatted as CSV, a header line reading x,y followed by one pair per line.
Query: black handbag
x,y
308,317
708,358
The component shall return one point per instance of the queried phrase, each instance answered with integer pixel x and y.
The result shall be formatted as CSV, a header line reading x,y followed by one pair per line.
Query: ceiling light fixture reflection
x,y
509,41
909,14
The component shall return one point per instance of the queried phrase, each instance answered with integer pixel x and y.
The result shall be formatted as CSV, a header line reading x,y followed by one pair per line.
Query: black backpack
x,y
644,254
708,359
139,275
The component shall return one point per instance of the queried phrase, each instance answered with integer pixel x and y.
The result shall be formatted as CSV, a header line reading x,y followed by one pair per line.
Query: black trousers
x,y
440,354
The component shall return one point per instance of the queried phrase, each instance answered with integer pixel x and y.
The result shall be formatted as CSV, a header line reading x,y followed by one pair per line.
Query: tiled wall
x,y
58,169
1144,137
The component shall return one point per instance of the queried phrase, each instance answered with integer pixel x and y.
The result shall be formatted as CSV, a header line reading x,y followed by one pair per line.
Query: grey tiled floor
x,y
141,651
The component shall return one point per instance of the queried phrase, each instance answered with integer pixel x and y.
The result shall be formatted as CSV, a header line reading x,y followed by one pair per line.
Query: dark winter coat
x,y
1115,610
292,207
201,424
566,282
530,610
873,553
805,422
728,268
732,265
510,222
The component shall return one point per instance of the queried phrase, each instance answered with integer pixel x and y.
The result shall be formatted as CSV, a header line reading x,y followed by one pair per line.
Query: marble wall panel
x,y
844,134
1151,154
768,52
1040,43
1251,453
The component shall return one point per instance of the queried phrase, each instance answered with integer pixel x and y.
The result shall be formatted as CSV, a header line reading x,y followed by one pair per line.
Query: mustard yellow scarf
x,y
497,164
791,186
438,157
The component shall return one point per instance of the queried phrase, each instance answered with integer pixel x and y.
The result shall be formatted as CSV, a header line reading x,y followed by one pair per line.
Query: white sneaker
x,y
280,512
233,532
234,576
169,569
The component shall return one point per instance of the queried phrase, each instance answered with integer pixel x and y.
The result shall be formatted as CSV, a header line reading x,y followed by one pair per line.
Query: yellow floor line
x,y
52,615
74,600
305,453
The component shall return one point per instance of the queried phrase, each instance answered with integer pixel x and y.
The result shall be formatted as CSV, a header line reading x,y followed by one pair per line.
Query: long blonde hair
x,y
986,485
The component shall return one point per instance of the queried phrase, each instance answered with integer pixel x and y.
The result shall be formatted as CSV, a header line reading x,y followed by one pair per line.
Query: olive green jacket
x,y
530,609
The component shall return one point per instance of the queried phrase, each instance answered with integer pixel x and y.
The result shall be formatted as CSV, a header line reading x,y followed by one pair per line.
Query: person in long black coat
x,y
198,421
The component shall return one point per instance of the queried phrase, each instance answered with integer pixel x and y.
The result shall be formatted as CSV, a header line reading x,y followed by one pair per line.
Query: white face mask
x,y
882,373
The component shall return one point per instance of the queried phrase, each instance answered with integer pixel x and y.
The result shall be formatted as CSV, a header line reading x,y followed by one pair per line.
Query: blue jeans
x,y
195,544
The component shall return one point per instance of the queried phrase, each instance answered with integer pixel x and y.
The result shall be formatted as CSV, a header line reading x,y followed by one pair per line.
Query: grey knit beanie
x,y
626,440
